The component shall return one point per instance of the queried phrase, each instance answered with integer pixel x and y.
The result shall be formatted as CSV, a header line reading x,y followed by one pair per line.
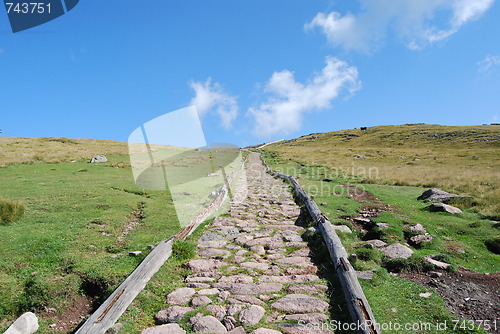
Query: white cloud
x,y
212,97
416,23
488,63
288,99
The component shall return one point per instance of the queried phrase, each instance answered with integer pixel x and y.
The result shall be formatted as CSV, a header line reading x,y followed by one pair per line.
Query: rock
x,y
299,303
299,261
422,238
209,292
25,324
255,265
202,265
252,315
435,274
360,156
309,318
419,228
376,242
116,328
180,296
243,239
397,251
198,285
246,299
440,207
98,158
437,195
212,243
209,325
136,253
438,264
301,329
258,249
362,220
249,289
198,279
383,226
230,323
171,314
164,329
288,279
237,330
217,311
214,253
366,275
425,294
200,301
308,288
265,331
236,279
342,228
234,308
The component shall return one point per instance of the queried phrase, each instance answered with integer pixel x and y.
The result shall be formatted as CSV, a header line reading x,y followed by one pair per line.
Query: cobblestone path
x,y
253,272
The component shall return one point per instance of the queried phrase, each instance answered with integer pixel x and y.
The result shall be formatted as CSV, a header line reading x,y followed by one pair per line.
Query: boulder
x,y
440,207
98,158
397,251
437,195
25,324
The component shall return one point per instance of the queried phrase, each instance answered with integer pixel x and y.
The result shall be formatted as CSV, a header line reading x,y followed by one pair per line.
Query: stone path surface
x,y
253,272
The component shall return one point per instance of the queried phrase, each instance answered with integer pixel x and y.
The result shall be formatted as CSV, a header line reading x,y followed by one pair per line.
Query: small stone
x,y
309,318
135,253
209,292
438,264
397,251
249,289
435,274
168,328
342,228
229,322
308,288
252,315
421,238
209,325
217,311
419,228
376,242
180,296
383,226
265,331
425,294
150,247
255,265
171,314
440,207
299,303
258,249
200,301
236,279
246,299
200,265
237,330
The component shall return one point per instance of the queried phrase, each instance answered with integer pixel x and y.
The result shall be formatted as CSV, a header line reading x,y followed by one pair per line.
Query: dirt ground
x,y
469,295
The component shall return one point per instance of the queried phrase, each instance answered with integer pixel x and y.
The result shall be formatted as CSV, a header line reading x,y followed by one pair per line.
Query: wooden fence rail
x,y
111,310
357,303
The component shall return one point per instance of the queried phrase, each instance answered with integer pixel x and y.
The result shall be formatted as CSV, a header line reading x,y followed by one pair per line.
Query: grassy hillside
x,y
70,247
460,159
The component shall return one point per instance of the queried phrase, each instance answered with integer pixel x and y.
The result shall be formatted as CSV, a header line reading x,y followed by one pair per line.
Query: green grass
x,y
10,210
394,299
68,235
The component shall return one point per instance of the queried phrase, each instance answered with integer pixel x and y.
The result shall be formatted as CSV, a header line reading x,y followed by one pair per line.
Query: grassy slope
x,y
332,156
74,213
461,159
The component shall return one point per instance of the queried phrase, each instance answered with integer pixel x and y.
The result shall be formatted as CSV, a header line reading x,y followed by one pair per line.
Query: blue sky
x,y
256,70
